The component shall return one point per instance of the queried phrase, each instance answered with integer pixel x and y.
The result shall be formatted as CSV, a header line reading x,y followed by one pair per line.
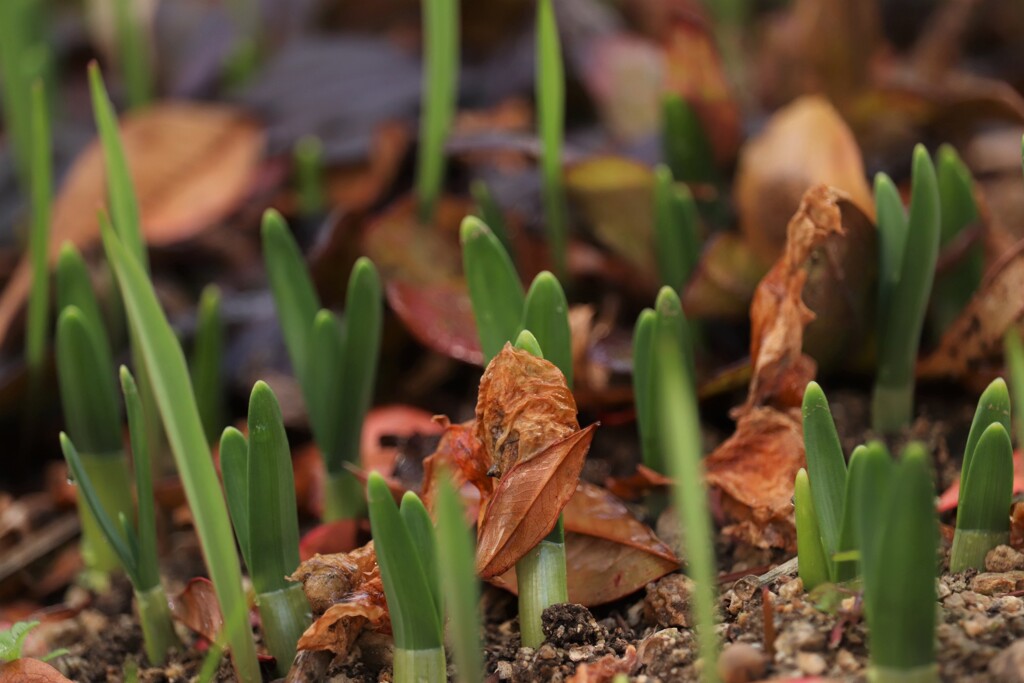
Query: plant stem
x,y
285,615
158,633
542,583
109,475
420,666
928,673
970,546
343,497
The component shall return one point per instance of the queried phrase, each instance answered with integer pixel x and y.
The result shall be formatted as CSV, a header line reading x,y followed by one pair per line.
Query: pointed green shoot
x,y
983,514
494,288
679,429
870,480
892,235
814,568
826,468
25,56
419,642
165,364
461,588
321,388
74,287
643,388
421,530
672,321
676,237
439,94
295,297
124,207
207,361
234,467
685,144
849,538
491,214
550,79
309,175
993,407
133,54
39,239
546,314
899,580
900,335
1013,349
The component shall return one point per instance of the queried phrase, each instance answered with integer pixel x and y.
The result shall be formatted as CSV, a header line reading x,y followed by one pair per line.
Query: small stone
x,y
975,626
1008,665
954,601
504,670
811,663
942,590
668,601
747,587
991,583
846,661
547,651
791,589
1009,605
1003,558
741,663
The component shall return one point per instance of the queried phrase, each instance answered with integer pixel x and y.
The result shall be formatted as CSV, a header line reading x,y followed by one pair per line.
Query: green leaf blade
x,y
814,567
546,315
826,467
494,287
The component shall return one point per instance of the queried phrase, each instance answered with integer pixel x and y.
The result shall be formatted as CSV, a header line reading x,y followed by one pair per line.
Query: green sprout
x,y
678,424
495,291
490,213
12,642
812,561
899,561
685,144
309,175
133,54
260,489
164,361
459,585
207,361
41,183
541,572
439,97
903,299
404,543
336,366
676,238
1014,351
546,315
986,482
550,78
135,545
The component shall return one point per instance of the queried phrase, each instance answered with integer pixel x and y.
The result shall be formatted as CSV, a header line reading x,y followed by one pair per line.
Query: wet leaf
x,y
805,143
973,343
30,671
197,608
422,271
527,501
191,164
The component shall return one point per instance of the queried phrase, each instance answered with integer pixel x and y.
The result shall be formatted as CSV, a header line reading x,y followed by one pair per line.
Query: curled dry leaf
x,y
805,143
27,670
527,501
192,165
523,408
197,608
328,578
461,454
422,271
973,344
339,627
638,484
605,668
609,553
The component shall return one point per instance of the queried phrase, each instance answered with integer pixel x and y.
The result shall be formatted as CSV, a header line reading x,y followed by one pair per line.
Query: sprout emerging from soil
x,y
550,85
676,237
438,99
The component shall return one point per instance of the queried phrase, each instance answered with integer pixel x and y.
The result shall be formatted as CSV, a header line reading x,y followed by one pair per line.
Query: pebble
x,y
667,602
1008,665
976,625
799,636
991,583
791,589
1003,558
846,661
811,663
741,663
504,670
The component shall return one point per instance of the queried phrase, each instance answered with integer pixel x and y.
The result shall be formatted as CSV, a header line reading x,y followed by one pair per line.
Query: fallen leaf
x,y
392,421
333,537
805,143
339,627
527,501
638,484
605,668
973,344
461,454
30,671
328,578
197,608
192,165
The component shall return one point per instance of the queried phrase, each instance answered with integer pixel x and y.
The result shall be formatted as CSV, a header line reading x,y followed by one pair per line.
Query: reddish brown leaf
x,y
526,504
340,626
197,608
606,667
328,578
192,165
725,278
30,671
462,455
391,421
636,485
333,537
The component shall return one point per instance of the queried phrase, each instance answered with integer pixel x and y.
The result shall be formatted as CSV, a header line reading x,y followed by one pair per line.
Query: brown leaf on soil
x,y
638,484
422,271
197,608
527,501
605,668
30,671
192,165
461,454
523,408
609,553
328,578
973,344
805,143
754,469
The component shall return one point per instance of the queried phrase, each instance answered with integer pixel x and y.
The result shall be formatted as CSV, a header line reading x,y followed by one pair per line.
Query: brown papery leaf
x,y
805,143
197,608
523,407
340,626
30,671
974,342
462,455
754,469
192,165
526,504
328,578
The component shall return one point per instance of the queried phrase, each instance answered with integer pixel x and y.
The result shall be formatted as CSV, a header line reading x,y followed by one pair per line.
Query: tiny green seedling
x,y
550,80
439,97
676,237
908,253
404,543
207,362
812,561
12,642
685,145
335,365
491,214
1014,352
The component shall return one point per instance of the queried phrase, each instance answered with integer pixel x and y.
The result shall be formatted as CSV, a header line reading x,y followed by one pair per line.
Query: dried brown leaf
x,y
197,608
339,627
462,455
328,578
30,671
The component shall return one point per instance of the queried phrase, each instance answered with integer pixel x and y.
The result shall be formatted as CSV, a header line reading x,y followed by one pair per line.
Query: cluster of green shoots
x,y
875,520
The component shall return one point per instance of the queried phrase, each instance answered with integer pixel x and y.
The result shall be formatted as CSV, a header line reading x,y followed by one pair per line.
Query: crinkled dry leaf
x,y
192,164
950,498
527,501
754,469
339,627
197,608
329,578
422,271
523,408
605,668
638,484
973,344
805,143
27,670
462,455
